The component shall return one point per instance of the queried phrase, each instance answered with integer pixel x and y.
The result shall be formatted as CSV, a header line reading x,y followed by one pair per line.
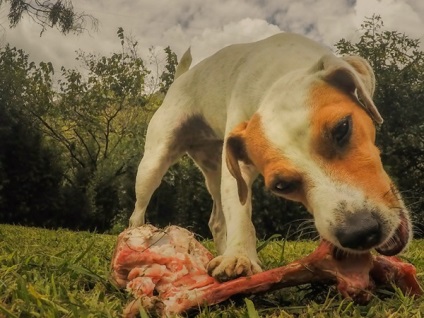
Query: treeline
x,y
69,149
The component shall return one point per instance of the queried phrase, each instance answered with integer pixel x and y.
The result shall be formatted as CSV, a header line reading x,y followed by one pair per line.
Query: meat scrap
x,y
165,271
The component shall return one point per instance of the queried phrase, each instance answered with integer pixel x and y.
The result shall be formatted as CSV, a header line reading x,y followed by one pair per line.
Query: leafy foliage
x,y
167,77
95,121
91,129
49,14
30,177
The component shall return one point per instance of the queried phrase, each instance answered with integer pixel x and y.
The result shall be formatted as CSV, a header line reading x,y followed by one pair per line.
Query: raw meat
x,y
165,271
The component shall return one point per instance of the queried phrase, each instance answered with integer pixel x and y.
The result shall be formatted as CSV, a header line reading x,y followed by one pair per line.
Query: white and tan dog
x,y
287,108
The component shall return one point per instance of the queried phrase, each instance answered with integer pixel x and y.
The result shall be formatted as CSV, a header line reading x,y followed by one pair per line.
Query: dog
x,y
285,107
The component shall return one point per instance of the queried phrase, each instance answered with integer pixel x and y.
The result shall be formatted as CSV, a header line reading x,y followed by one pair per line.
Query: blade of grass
x,y
81,256
251,310
8,313
143,313
265,243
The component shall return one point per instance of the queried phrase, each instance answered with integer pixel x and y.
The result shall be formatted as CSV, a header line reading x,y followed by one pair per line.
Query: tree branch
x,y
50,14
87,149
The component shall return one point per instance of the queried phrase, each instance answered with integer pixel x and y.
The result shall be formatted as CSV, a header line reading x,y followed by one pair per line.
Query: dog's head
x,y
313,140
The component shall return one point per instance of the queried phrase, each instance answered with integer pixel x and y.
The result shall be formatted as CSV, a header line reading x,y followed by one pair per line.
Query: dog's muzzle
x,y
363,231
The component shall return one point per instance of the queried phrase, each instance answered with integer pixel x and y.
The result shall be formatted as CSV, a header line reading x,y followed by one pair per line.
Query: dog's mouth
x,y
392,246
395,244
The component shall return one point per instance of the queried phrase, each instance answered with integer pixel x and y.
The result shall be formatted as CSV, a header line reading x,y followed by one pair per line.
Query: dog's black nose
x,y
361,231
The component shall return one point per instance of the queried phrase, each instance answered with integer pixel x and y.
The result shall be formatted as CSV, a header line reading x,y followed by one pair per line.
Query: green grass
x,y
61,273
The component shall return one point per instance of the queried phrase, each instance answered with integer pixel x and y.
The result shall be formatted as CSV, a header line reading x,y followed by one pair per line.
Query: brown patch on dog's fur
x,y
358,163
254,148
197,138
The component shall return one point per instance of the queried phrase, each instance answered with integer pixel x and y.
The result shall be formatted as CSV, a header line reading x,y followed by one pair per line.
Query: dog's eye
x,y
342,131
285,187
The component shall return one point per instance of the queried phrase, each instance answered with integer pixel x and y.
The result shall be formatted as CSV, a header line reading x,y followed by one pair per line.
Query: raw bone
x,y
165,270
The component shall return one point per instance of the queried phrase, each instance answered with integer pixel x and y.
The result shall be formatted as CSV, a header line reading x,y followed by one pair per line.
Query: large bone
x,y
165,271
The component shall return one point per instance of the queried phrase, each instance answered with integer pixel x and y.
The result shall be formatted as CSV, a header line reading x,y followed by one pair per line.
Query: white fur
x,y
271,77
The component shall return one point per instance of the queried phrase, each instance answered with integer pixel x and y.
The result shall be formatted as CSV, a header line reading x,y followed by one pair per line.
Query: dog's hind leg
x,y
150,172
208,159
217,219
161,151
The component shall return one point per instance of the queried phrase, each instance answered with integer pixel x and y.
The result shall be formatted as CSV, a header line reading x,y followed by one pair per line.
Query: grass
x,y
61,273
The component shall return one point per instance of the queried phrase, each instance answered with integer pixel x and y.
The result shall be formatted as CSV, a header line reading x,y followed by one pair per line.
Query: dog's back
x,y
240,74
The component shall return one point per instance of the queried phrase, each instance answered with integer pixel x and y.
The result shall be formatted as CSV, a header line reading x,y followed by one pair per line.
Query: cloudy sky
x,y
208,25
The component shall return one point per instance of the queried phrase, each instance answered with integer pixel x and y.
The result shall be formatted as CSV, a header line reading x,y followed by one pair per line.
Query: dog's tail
x,y
184,64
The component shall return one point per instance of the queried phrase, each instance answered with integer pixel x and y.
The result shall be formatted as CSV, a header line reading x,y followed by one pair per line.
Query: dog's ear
x,y
353,75
364,71
235,153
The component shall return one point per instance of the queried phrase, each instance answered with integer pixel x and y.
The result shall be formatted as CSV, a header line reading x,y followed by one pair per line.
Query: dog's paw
x,y
227,267
136,220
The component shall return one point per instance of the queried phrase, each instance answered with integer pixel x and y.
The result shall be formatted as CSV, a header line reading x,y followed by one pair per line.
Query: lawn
x,y
46,273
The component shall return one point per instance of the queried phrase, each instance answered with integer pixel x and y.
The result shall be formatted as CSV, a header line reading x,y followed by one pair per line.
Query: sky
x,y
207,25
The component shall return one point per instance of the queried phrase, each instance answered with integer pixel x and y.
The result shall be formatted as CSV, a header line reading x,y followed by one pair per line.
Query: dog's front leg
x,y
240,257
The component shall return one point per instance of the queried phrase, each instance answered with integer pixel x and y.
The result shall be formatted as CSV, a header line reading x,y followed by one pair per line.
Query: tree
x,y
70,154
49,14
30,175
398,63
97,122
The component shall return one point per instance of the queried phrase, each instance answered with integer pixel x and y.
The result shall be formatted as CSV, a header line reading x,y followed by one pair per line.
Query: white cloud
x,y
403,16
325,20
207,26
245,30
